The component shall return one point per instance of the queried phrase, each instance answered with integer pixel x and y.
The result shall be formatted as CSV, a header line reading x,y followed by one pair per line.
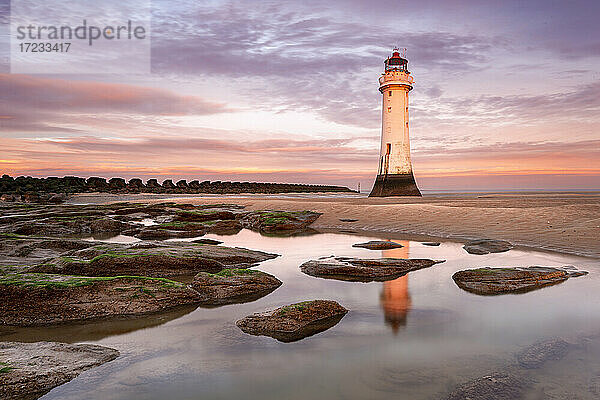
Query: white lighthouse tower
x,y
395,176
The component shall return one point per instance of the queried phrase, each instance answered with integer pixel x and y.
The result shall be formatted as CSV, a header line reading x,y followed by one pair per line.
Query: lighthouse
x,y
394,175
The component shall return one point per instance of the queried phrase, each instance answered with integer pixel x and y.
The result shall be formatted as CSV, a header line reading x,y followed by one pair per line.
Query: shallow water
x,y
415,337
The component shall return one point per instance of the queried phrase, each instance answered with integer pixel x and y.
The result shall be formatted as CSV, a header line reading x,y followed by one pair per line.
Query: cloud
x,y
296,58
32,103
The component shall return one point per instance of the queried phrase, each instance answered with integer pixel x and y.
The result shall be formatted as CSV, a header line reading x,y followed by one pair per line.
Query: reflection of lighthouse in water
x,y
395,297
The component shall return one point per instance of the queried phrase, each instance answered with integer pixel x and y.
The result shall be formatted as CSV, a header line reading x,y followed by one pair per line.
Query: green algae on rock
x,y
153,259
295,321
233,286
494,281
364,270
38,298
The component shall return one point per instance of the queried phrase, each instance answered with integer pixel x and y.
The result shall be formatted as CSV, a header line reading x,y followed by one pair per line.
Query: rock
x,y
378,245
348,220
233,286
294,322
29,370
107,225
493,281
497,386
364,270
96,184
486,246
31,197
431,243
153,183
226,227
537,354
203,215
67,224
194,185
57,198
25,251
117,183
8,197
158,233
168,184
274,221
135,184
38,299
207,241
158,260
229,206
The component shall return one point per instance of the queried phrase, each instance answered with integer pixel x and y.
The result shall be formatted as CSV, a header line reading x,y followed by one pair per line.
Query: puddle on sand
x,y
414,337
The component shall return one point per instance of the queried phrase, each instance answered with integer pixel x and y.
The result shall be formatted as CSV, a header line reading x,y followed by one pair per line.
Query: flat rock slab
x,y
496,386
378,245
232,286
207,241
487,246
30,299
294,322
29,370
275,221
153,259
26,250
539,353
364,270
494,281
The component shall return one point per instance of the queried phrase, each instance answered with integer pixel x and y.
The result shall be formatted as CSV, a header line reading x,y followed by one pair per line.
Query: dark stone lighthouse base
x,y
395,185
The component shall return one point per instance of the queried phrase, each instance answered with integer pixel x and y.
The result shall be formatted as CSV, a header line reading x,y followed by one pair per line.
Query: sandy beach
x,y
563,222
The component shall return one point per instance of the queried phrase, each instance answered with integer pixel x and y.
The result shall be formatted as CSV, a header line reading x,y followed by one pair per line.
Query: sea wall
x,y
33,189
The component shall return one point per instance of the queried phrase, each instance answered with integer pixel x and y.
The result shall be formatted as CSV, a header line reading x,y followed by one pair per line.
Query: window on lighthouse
x,y
390,92
388,149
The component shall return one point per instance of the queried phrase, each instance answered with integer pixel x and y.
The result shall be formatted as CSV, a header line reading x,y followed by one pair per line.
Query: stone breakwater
x,y
30,189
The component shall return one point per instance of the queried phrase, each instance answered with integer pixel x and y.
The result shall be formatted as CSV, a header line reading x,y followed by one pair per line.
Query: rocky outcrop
x,y
30,370
24,250
294,322
512,381
153,259
168,220
117,183
378,245
277,221
364,270
66,225
207,241
233,286
496,386
167,231
493,281
487,246
203,215
38,299
168,184
539,353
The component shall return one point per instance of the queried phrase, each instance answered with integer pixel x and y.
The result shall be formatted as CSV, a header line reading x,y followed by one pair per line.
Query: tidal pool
x,y
415,337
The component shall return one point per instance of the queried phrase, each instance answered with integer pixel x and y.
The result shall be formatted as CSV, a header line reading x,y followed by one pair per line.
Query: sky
x,y
506,96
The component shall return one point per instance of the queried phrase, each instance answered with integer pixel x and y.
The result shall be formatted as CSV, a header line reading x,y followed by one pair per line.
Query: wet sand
x,y
563,222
